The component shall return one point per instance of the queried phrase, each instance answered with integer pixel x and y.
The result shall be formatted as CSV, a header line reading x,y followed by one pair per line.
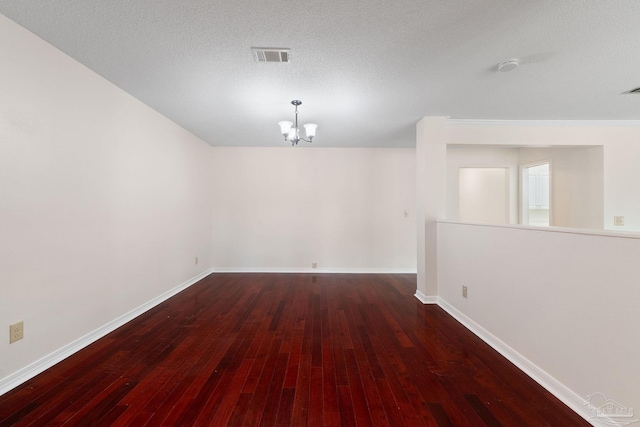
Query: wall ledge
x,y
553,386
584,232
39,366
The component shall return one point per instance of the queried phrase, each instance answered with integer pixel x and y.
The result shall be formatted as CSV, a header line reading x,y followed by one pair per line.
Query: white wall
x,y
484,195
577,184
480,157
284,208
431,192
621,152
562,304
578,179
104,203
566,302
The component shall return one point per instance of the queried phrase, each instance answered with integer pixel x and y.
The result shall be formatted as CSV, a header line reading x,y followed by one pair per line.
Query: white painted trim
x,y
552,229
523,183
425,299
553,386
313,270
480,122
30,371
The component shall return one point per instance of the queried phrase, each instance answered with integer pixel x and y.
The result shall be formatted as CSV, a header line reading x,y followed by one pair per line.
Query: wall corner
x,y
431,174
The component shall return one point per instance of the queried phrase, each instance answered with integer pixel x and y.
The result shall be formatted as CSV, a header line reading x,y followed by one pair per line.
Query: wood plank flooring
x,y
287,349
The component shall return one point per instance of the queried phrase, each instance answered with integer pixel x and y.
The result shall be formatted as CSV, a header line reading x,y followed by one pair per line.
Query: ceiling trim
x,y
481,122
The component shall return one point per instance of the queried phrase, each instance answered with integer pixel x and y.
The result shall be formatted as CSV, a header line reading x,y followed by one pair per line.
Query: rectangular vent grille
x,y
271,54
636,91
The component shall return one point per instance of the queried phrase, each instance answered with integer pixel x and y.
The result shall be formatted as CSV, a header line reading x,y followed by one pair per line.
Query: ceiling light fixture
x,y
509,65
292,133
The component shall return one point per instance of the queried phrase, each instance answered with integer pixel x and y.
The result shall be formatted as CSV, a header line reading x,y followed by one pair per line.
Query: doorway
x,y
535,194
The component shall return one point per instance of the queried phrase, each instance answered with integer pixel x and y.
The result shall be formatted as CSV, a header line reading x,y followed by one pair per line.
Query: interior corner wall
x,y
284,208
104,203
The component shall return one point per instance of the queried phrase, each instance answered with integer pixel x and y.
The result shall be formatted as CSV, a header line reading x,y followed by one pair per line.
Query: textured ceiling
x,y
366,71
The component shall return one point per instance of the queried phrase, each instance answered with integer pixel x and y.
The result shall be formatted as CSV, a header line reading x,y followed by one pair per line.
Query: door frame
x,y
523,182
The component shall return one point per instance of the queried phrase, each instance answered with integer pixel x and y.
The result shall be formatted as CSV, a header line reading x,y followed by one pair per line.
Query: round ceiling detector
x,y
509,65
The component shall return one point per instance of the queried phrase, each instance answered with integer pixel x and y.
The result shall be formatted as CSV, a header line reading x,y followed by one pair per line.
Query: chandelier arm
x,y
287,134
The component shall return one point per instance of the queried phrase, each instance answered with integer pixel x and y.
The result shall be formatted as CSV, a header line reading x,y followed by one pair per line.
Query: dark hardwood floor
x,y
288,349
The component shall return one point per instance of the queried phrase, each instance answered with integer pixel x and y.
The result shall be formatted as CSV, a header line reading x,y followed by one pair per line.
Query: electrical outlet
x,y
196,260
314,265
464,291
618,220
16,332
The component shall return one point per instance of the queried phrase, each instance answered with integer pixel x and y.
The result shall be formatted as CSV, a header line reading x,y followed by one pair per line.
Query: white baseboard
x,y
313,270
553,386
30,371
425,299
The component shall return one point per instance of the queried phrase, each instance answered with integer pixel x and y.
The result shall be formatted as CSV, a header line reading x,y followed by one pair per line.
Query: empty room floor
x,y
288,349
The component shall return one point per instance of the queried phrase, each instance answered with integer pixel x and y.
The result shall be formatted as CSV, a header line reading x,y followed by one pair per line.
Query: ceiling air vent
x,y
271,54
636,91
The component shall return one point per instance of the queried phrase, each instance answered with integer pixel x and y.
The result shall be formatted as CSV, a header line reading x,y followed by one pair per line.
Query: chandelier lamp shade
x,y
291,131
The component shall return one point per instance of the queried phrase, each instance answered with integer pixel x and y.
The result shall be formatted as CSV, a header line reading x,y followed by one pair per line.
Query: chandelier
x,y
292,133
